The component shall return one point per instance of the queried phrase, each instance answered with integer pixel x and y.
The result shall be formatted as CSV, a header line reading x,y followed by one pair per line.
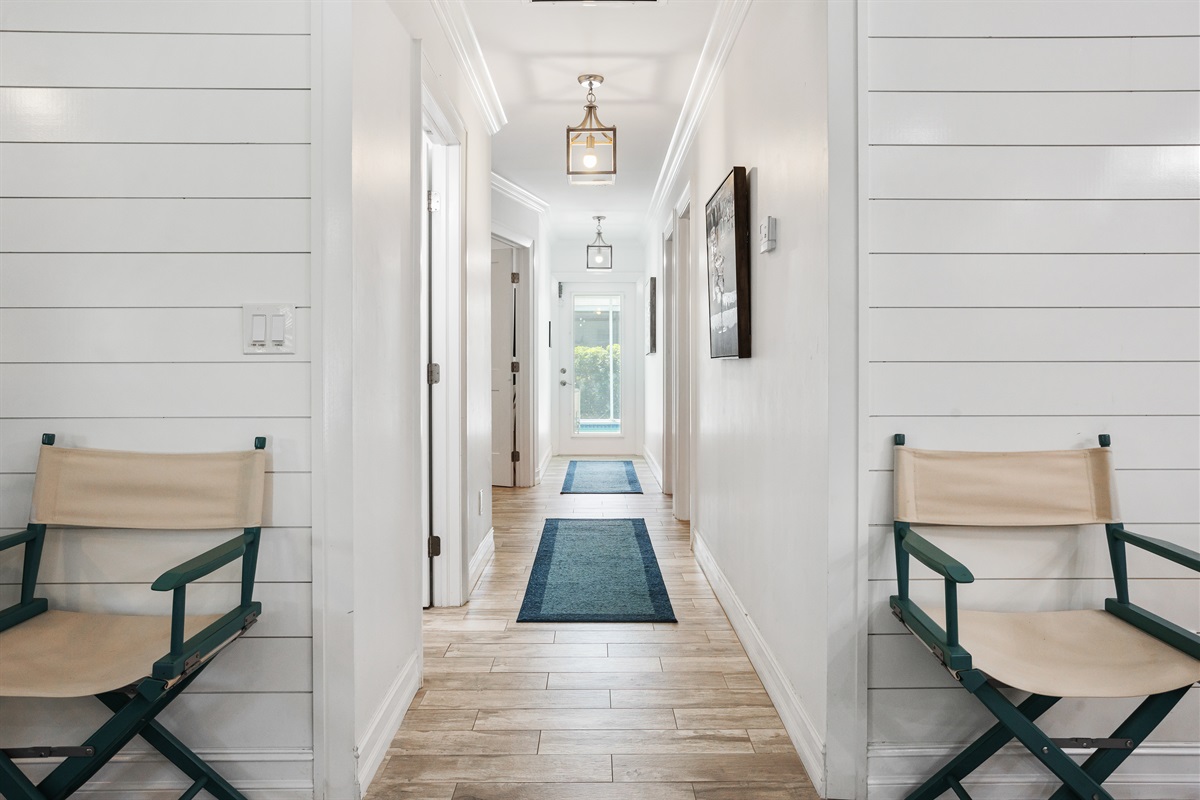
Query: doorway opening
x,y
442,435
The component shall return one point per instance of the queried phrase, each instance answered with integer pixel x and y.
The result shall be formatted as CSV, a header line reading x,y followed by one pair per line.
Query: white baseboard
x,y
1158,771
655,467
809,741
281,774
479,561
541,470
374,745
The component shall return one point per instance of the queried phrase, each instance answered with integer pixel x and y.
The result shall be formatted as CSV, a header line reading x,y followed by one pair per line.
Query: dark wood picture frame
x,y
652,316
727,236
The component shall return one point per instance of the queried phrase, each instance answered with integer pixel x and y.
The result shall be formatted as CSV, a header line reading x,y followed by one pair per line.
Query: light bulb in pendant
x,y
589,154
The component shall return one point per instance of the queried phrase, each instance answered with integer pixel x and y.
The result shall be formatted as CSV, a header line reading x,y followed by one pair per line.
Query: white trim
x,y
848,534
452,15
253,790
541,471
373,747
482,557
439,116
123,789
1162,771
332,50
655,467
803,733
727,22
519,194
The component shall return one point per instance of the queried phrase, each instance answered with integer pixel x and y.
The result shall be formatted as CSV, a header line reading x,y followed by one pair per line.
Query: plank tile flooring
x,y
588,711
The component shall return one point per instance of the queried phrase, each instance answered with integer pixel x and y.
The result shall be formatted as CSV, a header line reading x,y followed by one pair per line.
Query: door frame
x,y
631,378
447,132
525,263
680,354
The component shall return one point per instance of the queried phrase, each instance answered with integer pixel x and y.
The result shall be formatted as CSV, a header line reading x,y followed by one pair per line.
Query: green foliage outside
x,y
591,379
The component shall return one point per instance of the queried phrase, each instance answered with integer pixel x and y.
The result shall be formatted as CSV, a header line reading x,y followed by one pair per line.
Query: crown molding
x,y
513,192
726,24
456,24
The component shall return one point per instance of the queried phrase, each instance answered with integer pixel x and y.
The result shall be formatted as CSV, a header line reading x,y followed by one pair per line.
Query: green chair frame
x,y
135,708
1079,782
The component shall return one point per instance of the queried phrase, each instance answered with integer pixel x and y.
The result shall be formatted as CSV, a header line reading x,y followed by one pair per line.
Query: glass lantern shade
x,y
592,154
599,256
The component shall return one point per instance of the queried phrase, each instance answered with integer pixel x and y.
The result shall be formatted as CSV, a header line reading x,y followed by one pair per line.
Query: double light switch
x,y
268,329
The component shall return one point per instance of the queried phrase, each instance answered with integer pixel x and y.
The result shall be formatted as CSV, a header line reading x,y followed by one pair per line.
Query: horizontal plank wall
x,y
1032,173
154,176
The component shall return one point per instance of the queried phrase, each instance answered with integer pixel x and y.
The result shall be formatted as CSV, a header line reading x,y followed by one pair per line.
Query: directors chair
x,y
1120,651
134,665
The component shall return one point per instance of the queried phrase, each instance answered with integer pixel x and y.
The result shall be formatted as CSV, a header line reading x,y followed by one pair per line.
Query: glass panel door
x,y
596,348
595,370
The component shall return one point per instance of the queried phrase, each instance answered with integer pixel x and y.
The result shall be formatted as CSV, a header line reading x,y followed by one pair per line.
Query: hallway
x,y
588,711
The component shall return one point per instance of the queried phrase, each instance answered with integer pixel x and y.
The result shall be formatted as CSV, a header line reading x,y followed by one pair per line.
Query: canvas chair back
x,y
1056,487
113,489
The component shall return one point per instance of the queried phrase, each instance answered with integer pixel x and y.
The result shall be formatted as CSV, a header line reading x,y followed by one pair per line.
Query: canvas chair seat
x,y
1087,653
70,654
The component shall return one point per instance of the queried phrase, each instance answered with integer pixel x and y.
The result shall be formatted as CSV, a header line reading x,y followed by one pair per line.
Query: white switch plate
x,y
766,235
272,333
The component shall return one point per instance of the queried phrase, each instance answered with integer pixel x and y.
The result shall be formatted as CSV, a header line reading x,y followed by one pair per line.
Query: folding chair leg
x,y
13,783
182,757
1136,727
1046,751
979,751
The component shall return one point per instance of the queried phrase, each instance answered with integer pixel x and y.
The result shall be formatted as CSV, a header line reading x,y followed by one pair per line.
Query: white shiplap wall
x,y
1033,178
154,176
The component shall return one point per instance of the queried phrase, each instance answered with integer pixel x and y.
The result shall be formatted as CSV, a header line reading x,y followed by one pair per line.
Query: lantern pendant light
x,y
599,252
591,145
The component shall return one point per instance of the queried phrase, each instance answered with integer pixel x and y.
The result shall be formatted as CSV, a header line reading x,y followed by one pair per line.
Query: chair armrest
x,y
936,559
185,656
1172,552
14,539
33,537
201,565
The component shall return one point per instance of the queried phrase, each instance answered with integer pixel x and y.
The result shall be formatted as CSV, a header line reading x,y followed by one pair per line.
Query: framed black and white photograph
x,y
651,316
727,232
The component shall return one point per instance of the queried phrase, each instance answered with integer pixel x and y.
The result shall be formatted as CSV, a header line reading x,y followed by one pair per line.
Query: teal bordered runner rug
x,y
596,570
601,477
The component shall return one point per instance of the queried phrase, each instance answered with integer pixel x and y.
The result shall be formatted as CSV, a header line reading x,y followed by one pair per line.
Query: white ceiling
x,y
647,53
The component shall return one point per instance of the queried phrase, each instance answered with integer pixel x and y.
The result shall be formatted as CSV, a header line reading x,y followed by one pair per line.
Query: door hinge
x,y
433,373
433,201
516,277
516,456
435,546
516,366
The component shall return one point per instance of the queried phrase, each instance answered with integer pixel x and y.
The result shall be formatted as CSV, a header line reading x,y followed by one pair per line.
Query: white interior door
x,y
504,381
595,375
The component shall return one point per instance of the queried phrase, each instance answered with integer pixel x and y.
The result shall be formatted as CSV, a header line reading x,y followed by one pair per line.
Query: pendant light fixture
x,y
591,145
599,252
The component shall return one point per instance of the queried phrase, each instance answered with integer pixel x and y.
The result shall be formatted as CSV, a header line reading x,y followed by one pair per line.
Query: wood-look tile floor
x,y
588,711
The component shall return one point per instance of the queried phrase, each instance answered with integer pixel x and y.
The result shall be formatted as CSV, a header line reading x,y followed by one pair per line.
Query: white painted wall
x,y
154,176
388,378
760,512
422,23
1032,281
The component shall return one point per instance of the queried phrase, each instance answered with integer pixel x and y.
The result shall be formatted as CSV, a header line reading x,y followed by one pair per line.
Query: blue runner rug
x,y
596,570
601,477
